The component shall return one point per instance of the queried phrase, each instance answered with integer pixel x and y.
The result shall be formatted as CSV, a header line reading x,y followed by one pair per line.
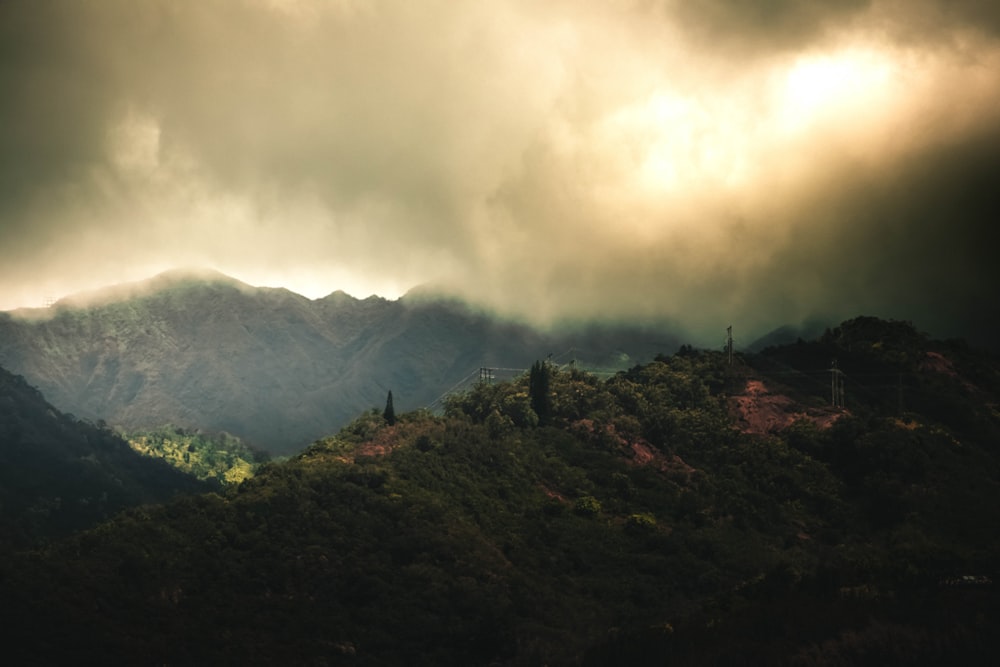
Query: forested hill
x,y
59,474
278,370
685,512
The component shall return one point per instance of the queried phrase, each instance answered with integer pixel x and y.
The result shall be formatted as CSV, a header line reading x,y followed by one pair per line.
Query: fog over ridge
x,y
712,163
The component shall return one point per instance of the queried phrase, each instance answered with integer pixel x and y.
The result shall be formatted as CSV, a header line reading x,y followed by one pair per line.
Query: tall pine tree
x,y
390,412
538,391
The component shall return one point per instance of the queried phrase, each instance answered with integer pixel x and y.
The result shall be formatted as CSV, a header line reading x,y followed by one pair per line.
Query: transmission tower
x,y
837,392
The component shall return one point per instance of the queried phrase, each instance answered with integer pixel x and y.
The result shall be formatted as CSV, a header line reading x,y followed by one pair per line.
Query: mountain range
x,y
202,350
697,510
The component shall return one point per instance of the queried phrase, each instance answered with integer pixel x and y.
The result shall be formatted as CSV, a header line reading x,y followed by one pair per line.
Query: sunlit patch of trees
x,y
623,521
218,457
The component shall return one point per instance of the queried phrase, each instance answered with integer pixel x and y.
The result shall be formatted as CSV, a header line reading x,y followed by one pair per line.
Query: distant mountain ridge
x,y
788,333
204,350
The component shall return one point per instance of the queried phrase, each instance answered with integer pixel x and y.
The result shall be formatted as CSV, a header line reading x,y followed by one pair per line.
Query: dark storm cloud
x,y
767,26
764,25
353,112
53,109
699,162
918,243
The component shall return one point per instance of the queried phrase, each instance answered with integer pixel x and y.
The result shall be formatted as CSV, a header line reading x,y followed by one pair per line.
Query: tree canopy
x,y
640,523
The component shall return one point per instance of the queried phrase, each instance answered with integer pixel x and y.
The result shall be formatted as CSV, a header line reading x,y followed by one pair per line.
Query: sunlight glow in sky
x,y
827,85
711,142
693,162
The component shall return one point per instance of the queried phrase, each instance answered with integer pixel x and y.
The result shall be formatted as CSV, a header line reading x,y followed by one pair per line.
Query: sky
x,y
723,162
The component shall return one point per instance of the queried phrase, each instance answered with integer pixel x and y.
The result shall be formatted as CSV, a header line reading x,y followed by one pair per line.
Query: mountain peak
x,y
166,280
192,273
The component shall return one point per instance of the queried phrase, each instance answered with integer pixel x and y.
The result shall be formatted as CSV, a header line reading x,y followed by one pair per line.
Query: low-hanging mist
x,y
746,163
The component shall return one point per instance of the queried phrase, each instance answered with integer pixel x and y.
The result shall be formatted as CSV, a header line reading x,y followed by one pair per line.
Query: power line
x,y
837,384
489,374
440,399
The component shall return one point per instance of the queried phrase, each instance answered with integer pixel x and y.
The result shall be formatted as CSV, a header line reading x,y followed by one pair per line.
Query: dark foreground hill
x,y
650,519
278,370
59,475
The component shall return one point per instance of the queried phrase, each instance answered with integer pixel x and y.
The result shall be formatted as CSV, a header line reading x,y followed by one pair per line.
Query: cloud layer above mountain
x,y
709,163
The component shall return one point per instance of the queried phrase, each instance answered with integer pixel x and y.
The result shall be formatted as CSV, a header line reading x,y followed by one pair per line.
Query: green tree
x,y
390,412
538,391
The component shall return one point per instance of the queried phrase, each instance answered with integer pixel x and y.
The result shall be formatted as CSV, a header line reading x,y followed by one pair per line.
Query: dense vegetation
x,y
59,474
558,519
220,458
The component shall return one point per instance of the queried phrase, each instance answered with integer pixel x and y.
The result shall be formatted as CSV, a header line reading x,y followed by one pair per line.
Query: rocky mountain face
x,y
270,366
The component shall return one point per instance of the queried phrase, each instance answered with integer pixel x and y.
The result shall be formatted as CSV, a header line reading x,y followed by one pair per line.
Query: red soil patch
x,y
637,449
384,441
759,411
555,495
937,362
594,431
644,454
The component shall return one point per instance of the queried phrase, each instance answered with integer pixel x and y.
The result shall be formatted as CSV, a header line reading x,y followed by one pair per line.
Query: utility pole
x,y
729,343
843,392
837,392
833,383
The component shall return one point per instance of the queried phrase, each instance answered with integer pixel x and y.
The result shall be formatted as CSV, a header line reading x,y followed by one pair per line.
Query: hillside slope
x,y
272,367
627,521
59,475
